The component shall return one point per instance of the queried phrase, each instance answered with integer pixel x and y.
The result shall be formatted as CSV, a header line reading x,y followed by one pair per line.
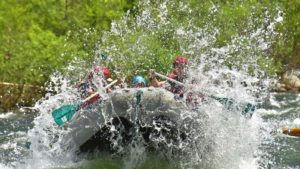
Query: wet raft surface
x,y
148,112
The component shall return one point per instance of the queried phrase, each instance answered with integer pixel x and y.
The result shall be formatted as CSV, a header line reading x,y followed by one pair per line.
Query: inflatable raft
x,y
127,106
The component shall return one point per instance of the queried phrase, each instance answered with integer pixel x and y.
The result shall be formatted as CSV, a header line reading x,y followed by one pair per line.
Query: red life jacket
x,y
172,76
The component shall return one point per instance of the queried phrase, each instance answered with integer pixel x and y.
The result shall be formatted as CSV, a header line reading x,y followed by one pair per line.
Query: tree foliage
x,y
243,29
40,37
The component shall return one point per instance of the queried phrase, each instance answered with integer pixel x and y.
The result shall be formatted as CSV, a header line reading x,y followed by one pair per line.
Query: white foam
x,y
6,115
248,164
9,145
297,121
273,102
2,166
265,112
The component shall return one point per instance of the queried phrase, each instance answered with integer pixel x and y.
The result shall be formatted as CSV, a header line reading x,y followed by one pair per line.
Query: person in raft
x,y
138,82
87,88
98,75
179,74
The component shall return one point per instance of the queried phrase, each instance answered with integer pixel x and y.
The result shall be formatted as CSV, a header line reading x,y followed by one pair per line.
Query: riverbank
x,y
14,95
288,82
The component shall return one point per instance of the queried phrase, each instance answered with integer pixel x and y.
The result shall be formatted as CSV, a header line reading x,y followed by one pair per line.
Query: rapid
x,y
218,135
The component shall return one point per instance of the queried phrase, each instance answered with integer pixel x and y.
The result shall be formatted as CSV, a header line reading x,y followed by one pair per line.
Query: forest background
x,y
41,37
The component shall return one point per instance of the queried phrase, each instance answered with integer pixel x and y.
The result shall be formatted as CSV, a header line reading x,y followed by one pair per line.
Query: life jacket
x,y
83,88
192,98
175,88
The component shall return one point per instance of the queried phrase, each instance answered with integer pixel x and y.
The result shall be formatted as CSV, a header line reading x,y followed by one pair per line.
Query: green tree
x,y
40,37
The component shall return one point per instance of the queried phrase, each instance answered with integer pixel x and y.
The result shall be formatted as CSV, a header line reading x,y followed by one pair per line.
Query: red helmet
x,y
180,60
96,71
106,72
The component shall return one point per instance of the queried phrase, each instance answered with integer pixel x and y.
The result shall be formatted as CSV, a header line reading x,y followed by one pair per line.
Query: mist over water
x,y
219,137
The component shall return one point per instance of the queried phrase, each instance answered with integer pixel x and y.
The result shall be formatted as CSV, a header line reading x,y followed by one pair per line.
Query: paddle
x,y
66,112
228,102
291,131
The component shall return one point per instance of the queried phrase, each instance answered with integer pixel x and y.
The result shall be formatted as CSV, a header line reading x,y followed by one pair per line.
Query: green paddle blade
x,y
64,113
247,108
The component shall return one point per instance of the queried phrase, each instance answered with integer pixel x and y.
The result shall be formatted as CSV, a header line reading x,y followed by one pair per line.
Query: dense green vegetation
x,y
40,37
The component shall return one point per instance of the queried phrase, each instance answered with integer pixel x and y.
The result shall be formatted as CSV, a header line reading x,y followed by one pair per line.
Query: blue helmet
x,y
138,80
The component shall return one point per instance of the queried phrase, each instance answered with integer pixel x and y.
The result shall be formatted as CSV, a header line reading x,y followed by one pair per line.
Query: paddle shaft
x,y
169,79
95,94
221,100
66,112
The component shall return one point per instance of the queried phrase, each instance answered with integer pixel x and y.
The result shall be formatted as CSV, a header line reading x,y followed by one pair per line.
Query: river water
x,y
221,137
274,149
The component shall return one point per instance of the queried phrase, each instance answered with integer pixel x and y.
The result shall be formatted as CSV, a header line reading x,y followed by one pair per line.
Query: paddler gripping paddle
x,y
66,112
246,107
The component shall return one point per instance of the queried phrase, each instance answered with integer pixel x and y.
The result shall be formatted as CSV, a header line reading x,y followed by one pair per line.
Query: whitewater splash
x,y
6,115
231,71
219,137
